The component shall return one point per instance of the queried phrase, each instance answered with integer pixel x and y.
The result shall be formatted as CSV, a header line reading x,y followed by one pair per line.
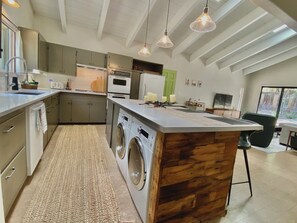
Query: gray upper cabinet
x,y
98,59
62,59
35,49
55,58
90,58
117,61
83,56
69,60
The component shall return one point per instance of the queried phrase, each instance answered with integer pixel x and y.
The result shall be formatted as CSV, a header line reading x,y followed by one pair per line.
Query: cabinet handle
x,y
9,130
13,170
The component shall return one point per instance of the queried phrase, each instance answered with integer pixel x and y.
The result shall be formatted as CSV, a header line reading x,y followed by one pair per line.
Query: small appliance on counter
x,y
57,85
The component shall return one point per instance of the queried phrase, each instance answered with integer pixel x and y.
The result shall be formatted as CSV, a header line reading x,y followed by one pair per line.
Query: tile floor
x,y
274,179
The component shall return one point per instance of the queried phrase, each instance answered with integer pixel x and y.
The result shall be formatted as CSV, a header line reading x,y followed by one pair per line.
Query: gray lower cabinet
x,y
65,110
13,164
98,110
13,178
135,80
52,116
82,108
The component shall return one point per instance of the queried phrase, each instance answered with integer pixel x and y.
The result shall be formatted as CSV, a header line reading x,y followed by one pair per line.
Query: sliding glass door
x,y
288,108
280,102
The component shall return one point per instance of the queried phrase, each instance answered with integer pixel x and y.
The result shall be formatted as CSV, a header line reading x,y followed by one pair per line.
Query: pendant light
x,y
165,41
145,52
203,23
12,3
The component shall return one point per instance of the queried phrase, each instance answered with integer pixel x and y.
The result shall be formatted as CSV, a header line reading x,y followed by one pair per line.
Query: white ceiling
x,y
244,39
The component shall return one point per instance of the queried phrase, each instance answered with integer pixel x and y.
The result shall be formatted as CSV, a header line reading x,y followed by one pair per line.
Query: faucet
x,y
7,70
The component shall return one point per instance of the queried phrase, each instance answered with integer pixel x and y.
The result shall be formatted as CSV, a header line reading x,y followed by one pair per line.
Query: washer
x,y
122,141
140,157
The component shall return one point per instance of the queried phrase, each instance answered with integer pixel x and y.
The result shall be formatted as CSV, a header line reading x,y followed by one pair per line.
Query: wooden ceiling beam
x,y
263,45
274,60
132,35
228,33
176,20
245,41
62,11
218,15
102,19
266,54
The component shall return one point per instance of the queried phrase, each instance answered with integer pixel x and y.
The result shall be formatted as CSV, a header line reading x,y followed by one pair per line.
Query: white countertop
x,y
10,102
170,120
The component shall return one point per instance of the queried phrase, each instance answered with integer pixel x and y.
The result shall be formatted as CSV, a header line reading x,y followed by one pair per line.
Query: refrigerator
x,y
151,83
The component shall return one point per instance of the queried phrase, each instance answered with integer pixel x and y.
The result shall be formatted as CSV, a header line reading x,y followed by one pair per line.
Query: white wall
x,y
213,80
282,74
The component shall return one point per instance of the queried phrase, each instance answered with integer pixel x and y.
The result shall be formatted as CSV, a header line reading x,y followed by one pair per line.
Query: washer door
x,y
120,141
136,163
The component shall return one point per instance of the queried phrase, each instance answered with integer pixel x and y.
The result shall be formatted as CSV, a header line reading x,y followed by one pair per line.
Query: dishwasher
x,y
36,125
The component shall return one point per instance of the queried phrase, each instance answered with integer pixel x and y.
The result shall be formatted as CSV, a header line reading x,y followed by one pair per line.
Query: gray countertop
x,y
171,120
9,101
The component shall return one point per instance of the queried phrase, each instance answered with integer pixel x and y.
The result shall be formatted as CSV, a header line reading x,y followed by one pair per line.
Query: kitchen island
x,y
192,162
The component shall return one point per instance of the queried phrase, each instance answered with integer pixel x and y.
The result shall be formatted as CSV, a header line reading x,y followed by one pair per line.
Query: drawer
x,y
12,138
13,178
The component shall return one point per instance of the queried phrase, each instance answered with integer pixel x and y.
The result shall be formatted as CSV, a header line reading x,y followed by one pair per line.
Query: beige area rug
x,y
75,187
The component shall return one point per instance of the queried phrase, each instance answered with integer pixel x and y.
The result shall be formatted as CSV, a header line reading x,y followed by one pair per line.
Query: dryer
x,y
122,141
140,157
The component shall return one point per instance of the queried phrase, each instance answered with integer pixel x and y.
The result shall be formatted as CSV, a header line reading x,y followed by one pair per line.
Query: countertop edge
x,y
158,127
49,93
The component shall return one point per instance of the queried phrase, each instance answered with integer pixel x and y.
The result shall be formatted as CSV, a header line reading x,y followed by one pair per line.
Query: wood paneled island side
x,y
192,162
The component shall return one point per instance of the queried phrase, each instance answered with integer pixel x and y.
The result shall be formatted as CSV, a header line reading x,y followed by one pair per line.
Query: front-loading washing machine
x,y
122,141
140,157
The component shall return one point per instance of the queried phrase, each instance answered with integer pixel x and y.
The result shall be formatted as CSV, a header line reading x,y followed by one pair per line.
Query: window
x,y
8,43
280,102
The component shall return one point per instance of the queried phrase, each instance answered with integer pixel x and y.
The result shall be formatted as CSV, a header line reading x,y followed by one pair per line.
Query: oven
x,y
119,82
115,95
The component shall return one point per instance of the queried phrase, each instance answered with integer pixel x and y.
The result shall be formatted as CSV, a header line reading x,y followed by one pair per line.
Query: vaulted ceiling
x,y
245,39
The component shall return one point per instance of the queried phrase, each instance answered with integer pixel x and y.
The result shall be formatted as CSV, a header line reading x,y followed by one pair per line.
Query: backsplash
x,y
84,80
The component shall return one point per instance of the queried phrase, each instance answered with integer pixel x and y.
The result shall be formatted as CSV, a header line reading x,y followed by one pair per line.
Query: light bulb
x,y
203,23
12,3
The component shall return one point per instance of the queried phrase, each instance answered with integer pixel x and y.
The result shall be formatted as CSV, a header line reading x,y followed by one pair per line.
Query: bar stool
x,y
243,144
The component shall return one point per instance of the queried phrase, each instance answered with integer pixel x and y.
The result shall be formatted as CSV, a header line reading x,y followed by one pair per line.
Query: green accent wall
x,y
170,78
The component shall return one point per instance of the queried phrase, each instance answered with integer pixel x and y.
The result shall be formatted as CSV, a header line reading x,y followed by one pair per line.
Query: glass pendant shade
x,y
165,42
12,3
144,52
203,23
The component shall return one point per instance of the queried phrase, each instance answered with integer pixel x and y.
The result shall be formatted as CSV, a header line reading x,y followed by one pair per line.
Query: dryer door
x,y
120,141
136,163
